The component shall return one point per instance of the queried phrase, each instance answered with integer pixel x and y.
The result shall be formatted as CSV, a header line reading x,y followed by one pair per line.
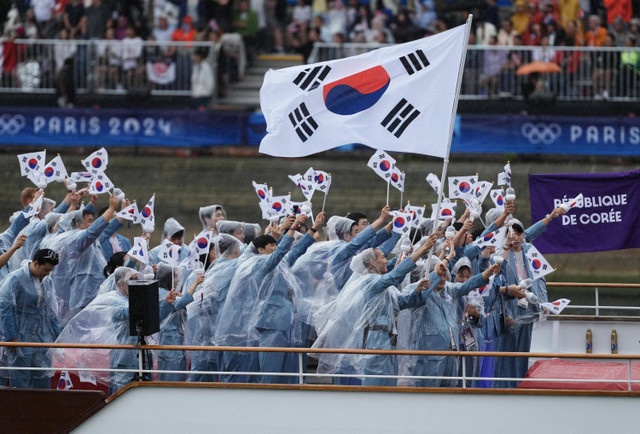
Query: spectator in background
x,y
186,32
132,66
245,23
596,34
506,33
202,81
484,31
492,64
629,69
490,14
574,33
619,32
320,25
379,33
618,8
30,27
403,29
544,54
301,16
120,29
162,32
74,19
569,11
533,35
555,35
606,63
110,60
426,13
43,12
276,16
634,30
550,13
520,18
361,24
98,19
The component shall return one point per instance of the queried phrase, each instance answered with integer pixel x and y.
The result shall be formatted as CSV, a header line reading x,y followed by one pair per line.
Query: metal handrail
x,y
302,375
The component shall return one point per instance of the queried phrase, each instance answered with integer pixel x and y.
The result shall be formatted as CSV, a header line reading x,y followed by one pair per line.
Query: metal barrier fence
x,y
585,73
464,378
102,66
619,310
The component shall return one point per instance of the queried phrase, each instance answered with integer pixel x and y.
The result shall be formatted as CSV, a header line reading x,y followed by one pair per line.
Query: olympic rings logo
x,y
11,125
541,133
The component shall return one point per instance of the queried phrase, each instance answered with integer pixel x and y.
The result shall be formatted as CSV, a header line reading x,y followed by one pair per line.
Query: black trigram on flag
x,y
311,78
414,62
400,117
302,122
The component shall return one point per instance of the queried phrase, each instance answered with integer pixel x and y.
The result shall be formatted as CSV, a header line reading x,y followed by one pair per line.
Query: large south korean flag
x,y
397,98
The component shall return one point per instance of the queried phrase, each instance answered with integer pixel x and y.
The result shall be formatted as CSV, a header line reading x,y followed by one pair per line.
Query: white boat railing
x,y
569,287
464,378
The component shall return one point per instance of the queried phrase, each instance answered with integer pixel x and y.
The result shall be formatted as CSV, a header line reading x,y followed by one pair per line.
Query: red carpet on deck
x,y
576,370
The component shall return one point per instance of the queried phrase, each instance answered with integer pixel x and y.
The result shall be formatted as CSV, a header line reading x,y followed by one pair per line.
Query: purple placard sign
x,y
608,220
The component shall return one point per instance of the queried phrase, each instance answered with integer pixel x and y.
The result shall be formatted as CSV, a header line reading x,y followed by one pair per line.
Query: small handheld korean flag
x,y
202,241
572,203
504,178
538,265
130,213
31,162
398,98
64,383
557,306
139,250
447,210
262,190
482,190
383,164
304,182
492,239
401,222
434,182
81,177
193,256
497,196
100,184
55,170
322,181
417,214
97,162
268,213
147,219
36,206
397,179
279,204
169,253
462,187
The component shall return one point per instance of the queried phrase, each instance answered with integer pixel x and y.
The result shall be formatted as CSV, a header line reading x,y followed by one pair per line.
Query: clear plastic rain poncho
x,y
171,227
207,211
316,281
38,233
231,228
77,278
338,227
251,232
234,323
104,321
208,299
28,315
364,315
436,326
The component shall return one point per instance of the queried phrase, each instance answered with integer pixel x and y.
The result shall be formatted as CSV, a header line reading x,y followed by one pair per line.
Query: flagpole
x,y
454,110
324,201
401,195
388,194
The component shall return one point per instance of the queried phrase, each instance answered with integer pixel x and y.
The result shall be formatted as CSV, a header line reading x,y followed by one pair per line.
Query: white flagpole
x,y
451,126
324,201
401,194
388,193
